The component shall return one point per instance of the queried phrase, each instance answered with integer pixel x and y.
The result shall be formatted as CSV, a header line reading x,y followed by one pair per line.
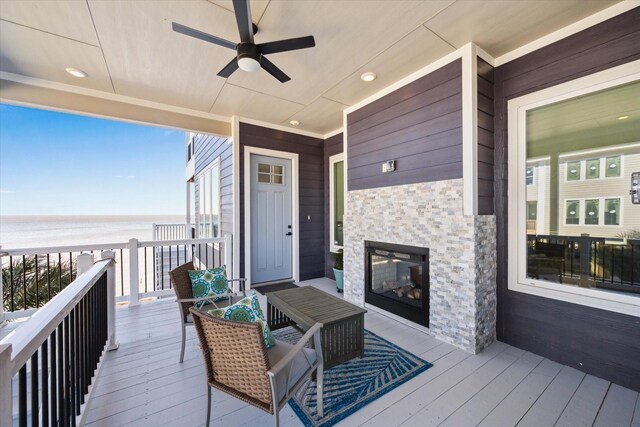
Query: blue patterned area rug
x,y
352,385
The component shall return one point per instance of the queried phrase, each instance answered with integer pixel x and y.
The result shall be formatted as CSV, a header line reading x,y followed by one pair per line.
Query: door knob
x,y
289,234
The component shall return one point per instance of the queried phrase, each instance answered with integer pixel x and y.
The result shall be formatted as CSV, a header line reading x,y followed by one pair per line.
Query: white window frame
x,y
332,232
533,175
201,177
517,266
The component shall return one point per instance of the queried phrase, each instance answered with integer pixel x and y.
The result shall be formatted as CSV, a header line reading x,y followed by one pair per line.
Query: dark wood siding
x,y
332,146
311,191
485,138
207,148
598,342
419,126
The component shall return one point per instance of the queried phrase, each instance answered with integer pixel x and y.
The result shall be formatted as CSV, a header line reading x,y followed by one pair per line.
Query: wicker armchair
x,y
184,297
237,362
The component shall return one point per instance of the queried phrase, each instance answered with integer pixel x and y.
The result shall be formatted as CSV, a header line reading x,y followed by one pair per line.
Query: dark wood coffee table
x,y
342,333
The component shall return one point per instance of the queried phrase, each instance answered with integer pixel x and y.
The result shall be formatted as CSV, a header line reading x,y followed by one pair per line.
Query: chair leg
x,y
184,333
208,405
320,390
276,417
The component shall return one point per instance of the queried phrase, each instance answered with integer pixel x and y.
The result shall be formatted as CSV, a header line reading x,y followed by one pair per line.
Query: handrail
x,y
63,249
155,243
26,339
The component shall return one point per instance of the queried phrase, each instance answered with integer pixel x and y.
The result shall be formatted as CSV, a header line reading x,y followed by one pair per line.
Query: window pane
x,y
530,175
573,171
532,208
277,169
264,168
613,166
277,179
593,168
338,202
264,178
573,212
612,212
591,212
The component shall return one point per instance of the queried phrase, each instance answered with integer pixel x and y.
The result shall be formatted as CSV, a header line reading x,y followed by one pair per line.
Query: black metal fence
x,y
586,261
52,385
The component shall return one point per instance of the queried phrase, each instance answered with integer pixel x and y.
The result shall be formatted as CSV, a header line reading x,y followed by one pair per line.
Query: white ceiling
x,y
128,48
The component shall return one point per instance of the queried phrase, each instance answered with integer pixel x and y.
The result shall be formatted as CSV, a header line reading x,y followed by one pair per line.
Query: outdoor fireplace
x,y
397,280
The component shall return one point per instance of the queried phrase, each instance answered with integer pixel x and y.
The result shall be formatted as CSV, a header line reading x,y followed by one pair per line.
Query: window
x,y
573,171
532,210
591,212
270,174
572,212
612,211
209,201
593,169
579,196
530,175
336,201
612,167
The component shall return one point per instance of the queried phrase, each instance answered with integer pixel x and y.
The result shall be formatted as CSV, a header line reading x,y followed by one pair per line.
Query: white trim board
x,y
470,129
295,207
332,133
281,128
517,109
332,237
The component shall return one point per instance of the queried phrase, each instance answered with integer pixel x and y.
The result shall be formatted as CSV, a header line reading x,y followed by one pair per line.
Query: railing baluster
x,y
122,272
145,269
44,380
48,278
61,375
12,284
162,267
22,396
53,380
24,282
34,390
37,287
59,272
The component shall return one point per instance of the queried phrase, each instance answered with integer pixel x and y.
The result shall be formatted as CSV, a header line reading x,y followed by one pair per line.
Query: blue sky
x,y
55,163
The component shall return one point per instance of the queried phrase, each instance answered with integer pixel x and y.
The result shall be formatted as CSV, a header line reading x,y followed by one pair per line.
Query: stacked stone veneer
x,y
462,254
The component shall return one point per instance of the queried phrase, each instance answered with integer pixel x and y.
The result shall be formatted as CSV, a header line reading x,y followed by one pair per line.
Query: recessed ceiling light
x,y
623,117
368,76
75,72
294,122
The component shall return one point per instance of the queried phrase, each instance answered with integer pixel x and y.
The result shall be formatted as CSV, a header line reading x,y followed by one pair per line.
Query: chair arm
x,y
208,298
315,329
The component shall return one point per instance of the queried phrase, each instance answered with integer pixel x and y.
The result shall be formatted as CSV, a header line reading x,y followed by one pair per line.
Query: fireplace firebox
x,y
397,280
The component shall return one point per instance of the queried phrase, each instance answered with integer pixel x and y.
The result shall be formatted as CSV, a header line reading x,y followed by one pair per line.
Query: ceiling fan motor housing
x,y
248,57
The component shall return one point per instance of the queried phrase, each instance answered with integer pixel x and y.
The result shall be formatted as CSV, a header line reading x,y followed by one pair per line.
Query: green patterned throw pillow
x,y
247,310
209,283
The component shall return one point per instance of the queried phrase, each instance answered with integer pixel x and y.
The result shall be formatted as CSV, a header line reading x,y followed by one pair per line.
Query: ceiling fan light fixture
x,y
248,64
625,117
294,123
76,73
368,76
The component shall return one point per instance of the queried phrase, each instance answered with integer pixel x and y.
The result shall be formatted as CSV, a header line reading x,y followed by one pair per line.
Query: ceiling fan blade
x,y
229,68
276,72
243,17
179,28
287,45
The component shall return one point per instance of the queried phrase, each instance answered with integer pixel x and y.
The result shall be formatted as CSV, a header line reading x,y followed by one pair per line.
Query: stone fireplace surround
x,y
462,262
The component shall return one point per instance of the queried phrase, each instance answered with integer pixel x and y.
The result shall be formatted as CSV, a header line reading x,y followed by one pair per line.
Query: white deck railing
x,y
141,269
172,231
47,365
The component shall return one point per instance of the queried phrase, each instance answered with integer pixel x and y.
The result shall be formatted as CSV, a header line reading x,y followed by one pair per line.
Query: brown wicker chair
x,y
184,297
238,363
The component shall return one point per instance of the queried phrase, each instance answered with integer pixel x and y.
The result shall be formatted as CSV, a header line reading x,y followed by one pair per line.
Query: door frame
x,y
295,205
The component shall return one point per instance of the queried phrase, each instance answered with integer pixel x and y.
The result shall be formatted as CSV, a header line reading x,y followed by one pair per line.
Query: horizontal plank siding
x,y
419,126
332,146
485,138
208,148
598,342
310,187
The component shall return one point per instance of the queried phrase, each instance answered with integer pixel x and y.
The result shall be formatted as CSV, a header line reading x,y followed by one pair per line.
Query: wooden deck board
x,y
143,384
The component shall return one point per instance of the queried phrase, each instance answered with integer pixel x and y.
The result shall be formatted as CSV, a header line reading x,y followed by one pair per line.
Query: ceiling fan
x,y
250,56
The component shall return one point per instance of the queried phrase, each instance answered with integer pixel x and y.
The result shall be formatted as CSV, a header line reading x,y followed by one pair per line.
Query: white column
x,y
112,342
187,227
84,263
228,255
470,129
6,387
134,286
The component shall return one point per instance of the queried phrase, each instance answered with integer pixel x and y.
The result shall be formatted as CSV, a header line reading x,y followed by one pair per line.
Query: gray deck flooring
x,y
143,384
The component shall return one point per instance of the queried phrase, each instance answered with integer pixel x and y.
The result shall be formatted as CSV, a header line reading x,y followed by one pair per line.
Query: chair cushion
x,y
300,365
246,310
209,283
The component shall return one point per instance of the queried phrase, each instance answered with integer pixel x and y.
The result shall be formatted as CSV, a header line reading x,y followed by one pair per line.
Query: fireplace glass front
x,y
398,280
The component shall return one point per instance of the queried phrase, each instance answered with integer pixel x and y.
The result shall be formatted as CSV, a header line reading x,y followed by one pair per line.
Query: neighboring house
x,y
593,193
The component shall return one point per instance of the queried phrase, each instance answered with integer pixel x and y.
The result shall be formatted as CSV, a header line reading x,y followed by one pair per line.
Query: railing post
x,y
6,386
154,227
112,342
1,294
585,257
84,262
134,285
228,255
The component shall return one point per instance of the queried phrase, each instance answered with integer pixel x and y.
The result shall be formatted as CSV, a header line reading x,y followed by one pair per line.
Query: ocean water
x,y
40,231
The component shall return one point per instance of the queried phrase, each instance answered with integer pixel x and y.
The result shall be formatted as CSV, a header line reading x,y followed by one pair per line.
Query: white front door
x,y
271,226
